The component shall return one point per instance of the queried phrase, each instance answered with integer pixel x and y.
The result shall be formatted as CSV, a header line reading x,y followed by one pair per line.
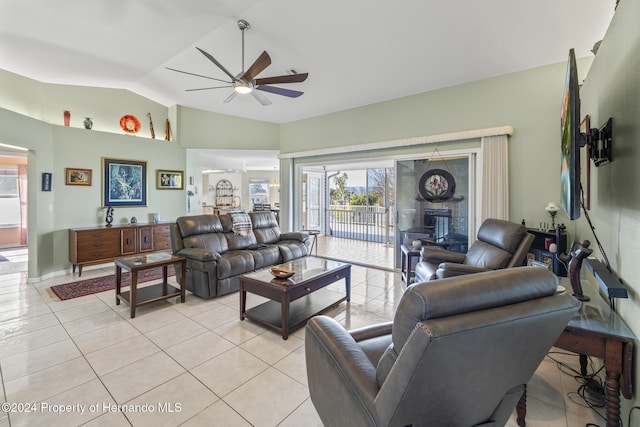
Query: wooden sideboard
x,y
98,245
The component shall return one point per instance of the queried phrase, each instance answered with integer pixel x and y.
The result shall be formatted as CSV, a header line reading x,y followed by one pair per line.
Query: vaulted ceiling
x,y
356,52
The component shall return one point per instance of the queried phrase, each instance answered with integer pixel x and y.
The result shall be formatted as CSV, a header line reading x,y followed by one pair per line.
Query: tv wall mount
x,y
599,141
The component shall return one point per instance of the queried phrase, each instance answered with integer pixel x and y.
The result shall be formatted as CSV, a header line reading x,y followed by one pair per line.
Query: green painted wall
x,y
612,89
52,149
78,206
37,137
529,101
31,116
202,129
47,102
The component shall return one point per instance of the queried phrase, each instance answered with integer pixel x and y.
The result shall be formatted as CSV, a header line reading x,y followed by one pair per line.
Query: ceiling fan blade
x,y
263,61
207,88
261,98
293,78
212,59
229,98
197,75
280,91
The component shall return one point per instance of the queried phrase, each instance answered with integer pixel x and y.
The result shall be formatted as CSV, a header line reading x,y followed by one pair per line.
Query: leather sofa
x,y
458,352
500,244
217,256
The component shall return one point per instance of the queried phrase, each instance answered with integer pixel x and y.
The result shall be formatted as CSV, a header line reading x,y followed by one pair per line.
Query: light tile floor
x,y
356,252
191,364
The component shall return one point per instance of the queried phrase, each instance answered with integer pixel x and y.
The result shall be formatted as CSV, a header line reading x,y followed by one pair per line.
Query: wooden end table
x,y
148,294
597,331
406,263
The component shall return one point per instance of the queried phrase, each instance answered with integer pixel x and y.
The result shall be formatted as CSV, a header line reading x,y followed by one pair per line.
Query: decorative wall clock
x,y
436,185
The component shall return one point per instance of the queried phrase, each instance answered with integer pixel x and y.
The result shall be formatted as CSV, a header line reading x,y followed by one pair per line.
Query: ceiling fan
x,y
245,81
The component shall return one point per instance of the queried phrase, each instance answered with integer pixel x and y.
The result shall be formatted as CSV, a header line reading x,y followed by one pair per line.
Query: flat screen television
x,y
571,141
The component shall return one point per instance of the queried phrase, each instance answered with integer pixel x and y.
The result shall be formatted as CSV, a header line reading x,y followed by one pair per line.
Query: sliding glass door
x,y
312,200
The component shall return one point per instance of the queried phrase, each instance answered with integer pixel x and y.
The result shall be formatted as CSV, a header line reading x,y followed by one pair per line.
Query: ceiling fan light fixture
x,y
242,88
246,81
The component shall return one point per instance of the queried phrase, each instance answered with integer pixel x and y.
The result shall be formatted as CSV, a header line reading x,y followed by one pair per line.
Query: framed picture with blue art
x,y
124,182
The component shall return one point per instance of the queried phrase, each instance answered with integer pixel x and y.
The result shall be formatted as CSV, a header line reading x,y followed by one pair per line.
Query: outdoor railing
x,y
370,223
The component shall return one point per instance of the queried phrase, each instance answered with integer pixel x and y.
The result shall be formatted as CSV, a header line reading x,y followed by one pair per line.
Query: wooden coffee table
x,y
148,294
294,300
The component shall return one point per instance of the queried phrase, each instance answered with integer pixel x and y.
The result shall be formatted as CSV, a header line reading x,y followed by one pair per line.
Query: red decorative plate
x,y
130,124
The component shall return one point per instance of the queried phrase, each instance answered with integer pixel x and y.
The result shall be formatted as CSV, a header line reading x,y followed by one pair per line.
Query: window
x,y
8,181
259,191
9,198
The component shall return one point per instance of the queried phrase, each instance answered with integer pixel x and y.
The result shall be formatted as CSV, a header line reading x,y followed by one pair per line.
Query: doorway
x,y
13,201
13,213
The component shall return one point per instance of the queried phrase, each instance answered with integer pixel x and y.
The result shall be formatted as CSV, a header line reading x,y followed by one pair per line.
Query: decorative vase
x,y
417,244
88,124
67,117
109,217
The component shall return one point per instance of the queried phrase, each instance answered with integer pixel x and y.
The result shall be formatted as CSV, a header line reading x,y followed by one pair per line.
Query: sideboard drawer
x,y
93,245
161,237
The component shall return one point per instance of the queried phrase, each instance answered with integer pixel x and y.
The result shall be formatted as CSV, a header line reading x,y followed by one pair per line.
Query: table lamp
x,y
552,209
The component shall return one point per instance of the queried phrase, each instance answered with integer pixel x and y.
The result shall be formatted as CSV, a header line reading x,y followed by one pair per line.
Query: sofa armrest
x,y
199,254
295,235
447,269
437,255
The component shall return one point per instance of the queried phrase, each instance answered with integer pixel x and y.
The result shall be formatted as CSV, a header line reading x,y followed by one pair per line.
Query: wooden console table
x,y
597,331
99,245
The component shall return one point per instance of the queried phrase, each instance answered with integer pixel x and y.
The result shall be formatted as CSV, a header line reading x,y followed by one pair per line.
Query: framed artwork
x,y
437,185
169,180
78,176
124,182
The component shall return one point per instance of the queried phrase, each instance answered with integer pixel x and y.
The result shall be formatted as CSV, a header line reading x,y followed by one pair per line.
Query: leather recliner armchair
x,y
458,352
500,244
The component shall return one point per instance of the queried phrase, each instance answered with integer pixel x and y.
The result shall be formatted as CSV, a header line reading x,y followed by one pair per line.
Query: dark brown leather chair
x,y
500,244
457,354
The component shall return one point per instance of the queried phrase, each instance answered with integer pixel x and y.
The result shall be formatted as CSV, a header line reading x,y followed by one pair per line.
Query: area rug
x,y
105,283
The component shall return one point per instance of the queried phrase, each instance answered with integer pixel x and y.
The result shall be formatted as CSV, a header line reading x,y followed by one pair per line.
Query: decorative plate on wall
x,y
130,124
437,185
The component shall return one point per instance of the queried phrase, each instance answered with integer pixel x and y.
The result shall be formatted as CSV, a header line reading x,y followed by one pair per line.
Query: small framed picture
x,y
534,263
46,181
169,180
77,176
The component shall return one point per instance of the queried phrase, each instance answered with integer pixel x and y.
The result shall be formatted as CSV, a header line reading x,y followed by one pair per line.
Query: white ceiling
x,y
356,52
